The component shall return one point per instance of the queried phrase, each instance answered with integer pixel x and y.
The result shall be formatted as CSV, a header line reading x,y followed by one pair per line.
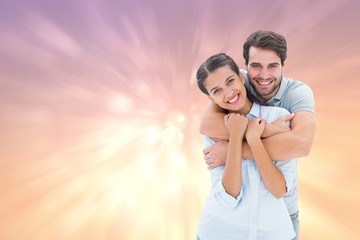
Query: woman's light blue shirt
x,y
255,213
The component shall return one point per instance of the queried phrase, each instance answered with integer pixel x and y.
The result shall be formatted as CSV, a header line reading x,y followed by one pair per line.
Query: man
x,y
265,53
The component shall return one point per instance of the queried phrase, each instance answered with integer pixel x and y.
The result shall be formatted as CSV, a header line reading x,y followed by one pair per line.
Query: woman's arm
x,y
272,177
232,177
212,124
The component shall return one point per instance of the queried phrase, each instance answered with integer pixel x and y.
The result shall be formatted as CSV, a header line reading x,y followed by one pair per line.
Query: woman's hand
x,y
255,129
236,124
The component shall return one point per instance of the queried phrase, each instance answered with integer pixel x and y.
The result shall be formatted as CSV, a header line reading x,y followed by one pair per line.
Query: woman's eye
x,y
216,91
230,80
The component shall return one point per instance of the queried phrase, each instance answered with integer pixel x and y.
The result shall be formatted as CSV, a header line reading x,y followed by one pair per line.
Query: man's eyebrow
x,y
273,63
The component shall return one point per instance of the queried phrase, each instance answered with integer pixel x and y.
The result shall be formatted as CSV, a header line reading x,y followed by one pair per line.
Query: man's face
x,y
265,71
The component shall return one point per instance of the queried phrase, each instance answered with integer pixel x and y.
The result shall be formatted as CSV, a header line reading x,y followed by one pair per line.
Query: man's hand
x,y
279,126
216,154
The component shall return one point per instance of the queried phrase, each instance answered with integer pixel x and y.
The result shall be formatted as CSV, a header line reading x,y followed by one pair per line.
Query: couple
x,y
254,199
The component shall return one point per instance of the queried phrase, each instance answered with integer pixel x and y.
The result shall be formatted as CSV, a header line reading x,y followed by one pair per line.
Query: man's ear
x,y
242,79
246,66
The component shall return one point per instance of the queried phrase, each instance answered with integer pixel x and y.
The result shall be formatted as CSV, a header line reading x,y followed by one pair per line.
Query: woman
x,y
245,201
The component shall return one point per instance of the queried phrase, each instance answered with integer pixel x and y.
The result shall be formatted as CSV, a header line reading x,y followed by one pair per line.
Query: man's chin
x,y
262,93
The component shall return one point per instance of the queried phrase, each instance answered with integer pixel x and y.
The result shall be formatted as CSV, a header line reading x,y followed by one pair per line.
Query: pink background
x,y
99,113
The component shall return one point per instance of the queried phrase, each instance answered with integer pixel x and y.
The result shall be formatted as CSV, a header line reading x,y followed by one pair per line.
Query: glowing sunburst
x,y
99,114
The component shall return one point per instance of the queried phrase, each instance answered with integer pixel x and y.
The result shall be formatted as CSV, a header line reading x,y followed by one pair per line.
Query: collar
x,y
255,111
284,82
281,91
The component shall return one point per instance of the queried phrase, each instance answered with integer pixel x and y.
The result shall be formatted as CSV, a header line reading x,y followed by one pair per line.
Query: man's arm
x,y
283,146
295,143
212,123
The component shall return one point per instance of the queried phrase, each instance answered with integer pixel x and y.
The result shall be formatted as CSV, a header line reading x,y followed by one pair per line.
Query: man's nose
x,y
264,74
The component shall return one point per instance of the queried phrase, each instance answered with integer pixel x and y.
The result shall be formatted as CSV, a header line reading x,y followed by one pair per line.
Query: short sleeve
x,y
301,98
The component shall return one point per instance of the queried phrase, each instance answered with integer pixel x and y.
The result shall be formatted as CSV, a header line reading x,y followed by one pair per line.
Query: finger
x,y
262,122
255,120
206,150
217,139
209,160
210,166
289,117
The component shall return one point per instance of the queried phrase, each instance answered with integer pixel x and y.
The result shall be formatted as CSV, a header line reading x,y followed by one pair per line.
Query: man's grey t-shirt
x,y
294,96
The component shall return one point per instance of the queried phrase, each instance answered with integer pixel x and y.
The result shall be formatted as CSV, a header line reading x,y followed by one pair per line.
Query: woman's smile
x,y
234,100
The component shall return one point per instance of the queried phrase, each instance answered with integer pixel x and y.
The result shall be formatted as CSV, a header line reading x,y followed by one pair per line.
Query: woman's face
x,y
226,89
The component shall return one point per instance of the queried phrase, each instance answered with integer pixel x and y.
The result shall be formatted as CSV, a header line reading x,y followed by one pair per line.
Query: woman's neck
x,y
246,108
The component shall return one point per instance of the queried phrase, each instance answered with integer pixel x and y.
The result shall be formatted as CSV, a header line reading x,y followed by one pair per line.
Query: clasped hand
x,y
216,154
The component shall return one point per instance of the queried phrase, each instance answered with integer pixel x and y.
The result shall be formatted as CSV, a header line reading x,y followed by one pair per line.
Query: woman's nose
x,y
228,92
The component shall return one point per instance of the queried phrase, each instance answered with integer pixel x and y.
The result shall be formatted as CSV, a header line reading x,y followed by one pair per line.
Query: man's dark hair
x,y
266,40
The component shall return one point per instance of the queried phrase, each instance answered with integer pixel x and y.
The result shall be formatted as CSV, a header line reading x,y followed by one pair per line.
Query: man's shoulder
x,y
294,83
297,96
296,86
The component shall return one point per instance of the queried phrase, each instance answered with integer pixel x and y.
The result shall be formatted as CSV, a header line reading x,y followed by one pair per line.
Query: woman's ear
x,y
211,99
